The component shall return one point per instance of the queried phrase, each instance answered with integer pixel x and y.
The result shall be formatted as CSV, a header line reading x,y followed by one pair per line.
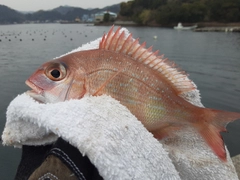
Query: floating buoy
x,y
154,37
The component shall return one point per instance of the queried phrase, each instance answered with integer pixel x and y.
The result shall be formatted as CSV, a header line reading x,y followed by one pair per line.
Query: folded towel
x,y
101,128
113,139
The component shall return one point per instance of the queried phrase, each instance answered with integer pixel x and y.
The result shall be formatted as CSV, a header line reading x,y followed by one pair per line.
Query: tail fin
x,y
212,123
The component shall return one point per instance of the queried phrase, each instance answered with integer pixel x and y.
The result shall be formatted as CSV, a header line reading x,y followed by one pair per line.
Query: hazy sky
x,y
35,5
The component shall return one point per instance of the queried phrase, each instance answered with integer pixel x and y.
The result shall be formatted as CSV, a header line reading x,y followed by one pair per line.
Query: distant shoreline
x,y
202,26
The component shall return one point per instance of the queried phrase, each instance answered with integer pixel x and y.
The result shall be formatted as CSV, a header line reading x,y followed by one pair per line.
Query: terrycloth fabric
x,y
18,132
236,162
192,158
100,127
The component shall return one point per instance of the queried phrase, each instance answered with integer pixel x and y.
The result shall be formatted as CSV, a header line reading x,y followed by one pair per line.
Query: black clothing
x,y
52,160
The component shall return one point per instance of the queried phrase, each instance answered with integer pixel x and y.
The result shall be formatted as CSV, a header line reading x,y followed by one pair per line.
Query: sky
x,y
35,5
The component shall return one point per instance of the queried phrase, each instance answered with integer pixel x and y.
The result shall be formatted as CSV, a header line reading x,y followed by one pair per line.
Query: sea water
x,y
212,59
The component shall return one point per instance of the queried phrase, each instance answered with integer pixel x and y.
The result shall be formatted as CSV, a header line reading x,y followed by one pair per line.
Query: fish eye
x,y
56,71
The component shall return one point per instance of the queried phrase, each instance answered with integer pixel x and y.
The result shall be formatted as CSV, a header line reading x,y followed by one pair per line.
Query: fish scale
x,y
150,86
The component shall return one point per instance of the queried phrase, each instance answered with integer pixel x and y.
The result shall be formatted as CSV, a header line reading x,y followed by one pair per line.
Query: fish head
x,y
55,81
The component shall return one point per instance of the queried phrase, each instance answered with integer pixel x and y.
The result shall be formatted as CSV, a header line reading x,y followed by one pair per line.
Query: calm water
x,y
212,60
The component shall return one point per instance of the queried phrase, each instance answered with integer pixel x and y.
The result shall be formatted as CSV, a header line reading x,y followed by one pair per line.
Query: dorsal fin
x,y
123,43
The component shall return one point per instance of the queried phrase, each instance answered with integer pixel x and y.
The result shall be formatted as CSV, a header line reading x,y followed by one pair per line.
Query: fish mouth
x,y
34,88
36,93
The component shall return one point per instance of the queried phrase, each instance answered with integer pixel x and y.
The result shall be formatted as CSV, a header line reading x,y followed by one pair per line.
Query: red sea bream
x,y
150,86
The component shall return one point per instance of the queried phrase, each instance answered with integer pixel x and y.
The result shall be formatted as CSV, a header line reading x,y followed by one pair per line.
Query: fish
x,y
152,87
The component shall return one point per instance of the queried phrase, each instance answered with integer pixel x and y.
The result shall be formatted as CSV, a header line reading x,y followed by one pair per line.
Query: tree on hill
x,y
224,10
166,12
106,17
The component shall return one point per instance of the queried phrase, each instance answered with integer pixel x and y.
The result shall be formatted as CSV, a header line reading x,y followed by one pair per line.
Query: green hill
x,y
9,16
165,12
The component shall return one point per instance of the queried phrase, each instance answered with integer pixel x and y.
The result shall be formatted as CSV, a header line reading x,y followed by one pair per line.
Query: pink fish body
x,y
148,85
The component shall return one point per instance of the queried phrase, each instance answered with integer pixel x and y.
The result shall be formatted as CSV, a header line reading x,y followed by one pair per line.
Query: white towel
x,y
113,139
101,128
